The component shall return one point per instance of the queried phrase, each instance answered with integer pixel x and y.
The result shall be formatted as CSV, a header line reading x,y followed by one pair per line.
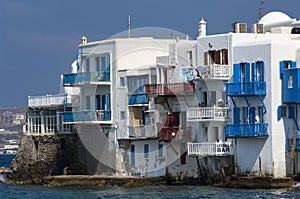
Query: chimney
x,y
83,40
202,28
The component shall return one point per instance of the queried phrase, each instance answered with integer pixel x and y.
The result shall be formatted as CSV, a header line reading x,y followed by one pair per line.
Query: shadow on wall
x,y
249,159
97,153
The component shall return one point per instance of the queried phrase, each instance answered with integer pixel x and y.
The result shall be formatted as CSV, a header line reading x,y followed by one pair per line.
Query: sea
x,y
14,191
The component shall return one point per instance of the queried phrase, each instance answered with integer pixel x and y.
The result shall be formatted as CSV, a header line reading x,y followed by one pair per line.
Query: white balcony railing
x,y
50,100
207,113
216,71
210,149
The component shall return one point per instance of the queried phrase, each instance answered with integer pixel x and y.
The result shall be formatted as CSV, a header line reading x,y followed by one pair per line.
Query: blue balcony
x,y
291,86
138,98
245,89
99,115
293,142
259,130
81,78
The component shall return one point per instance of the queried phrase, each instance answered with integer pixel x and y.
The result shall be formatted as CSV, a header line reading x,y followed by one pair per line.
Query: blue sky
x,y
39,38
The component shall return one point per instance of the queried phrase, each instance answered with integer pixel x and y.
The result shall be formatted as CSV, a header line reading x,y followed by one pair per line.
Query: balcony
x,y
291,86
293,144
210,149
203,114
87,116
174,133
245,89
259,130
52,100
137,98
142,132
170,89
215,71
83,78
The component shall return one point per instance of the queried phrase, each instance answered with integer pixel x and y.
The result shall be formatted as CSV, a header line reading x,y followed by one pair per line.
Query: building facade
x,y
223,104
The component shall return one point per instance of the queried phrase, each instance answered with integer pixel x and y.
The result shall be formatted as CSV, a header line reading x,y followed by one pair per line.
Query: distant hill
x,y
11,123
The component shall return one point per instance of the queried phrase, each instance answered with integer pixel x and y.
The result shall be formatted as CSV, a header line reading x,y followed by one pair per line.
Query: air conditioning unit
x,y
257,28
239,27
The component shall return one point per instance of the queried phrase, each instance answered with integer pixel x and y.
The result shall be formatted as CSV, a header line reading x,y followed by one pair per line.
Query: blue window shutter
x,y
107,96
279,113
146,151
252,115
293,64
254,72
281,66
247,72
236,73
291,112
236,115
262,72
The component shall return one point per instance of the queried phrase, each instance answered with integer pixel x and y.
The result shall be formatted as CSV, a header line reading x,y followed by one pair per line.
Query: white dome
x,y
274,17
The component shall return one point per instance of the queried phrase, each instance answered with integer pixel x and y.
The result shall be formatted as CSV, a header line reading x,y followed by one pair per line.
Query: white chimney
x,y
202,28
83,40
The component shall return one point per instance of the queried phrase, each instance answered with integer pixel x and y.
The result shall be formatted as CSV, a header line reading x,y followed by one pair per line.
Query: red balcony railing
x,y
170,89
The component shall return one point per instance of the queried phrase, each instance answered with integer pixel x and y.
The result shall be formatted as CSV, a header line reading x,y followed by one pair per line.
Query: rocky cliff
x,y
47,155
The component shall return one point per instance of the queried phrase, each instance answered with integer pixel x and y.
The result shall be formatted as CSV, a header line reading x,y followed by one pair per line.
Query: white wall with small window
x,y
148,158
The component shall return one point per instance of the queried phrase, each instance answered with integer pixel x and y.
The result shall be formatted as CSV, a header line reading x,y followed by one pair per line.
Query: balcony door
x,y
103,102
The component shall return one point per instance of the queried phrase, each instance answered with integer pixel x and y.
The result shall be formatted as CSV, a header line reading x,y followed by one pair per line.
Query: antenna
x,y
129,26
260,9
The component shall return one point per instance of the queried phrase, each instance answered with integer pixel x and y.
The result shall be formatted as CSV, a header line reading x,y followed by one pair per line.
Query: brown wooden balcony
x,y
170,89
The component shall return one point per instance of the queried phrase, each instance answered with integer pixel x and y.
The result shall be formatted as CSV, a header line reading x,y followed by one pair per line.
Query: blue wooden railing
x,y
259,130
138,98
246,88
75,78
100,115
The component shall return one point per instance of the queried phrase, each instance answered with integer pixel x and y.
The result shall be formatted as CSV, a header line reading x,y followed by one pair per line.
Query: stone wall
x,y
46,155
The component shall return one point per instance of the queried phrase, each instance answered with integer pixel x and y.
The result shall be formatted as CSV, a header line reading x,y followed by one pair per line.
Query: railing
x,y
137,98
170,89
80,78
210,149
48,100
246,88
259,130
174,133
207,113
99,115
142,132
216,71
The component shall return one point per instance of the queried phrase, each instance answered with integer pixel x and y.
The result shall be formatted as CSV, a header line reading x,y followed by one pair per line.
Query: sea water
x,y
5,159
144,192
13,191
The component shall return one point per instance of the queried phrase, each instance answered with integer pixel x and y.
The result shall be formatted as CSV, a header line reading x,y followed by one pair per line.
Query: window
x,y
290,82
87,65
122,82
213,97
224,98
103,102
190,57
146,151
160,150
122,115
132,155
216,57
204,98
87,103
136,83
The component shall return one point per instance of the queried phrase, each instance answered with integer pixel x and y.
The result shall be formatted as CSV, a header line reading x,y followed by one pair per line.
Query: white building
x,y
153,107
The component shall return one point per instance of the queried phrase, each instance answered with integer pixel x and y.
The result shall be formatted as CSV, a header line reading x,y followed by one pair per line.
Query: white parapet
x,y
207,113
210,149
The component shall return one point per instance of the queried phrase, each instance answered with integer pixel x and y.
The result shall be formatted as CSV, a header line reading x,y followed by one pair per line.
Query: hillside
x,y
11,123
